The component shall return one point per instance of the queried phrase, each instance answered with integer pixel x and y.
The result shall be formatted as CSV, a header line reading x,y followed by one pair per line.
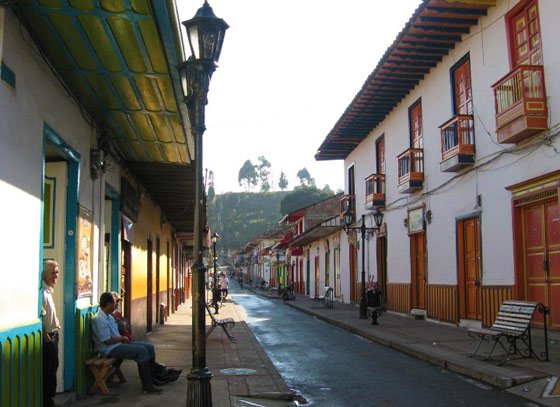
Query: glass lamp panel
x,y
193,40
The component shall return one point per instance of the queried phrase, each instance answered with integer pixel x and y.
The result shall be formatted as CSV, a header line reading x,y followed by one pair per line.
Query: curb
x,y
500,377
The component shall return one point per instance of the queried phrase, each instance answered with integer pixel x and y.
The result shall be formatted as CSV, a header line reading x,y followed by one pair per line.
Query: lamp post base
x,y
199,390
363,308
216,298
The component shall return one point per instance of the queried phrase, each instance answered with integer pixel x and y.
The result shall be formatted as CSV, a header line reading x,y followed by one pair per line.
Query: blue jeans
x,y
140,352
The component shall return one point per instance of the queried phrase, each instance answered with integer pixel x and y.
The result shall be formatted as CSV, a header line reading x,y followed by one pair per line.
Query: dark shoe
x,y
145,373
173,374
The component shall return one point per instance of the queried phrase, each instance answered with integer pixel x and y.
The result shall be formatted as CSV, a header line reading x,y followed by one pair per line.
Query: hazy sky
x,y
287,72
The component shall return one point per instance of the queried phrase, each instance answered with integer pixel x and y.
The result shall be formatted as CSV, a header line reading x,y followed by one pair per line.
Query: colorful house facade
x,y
454,135
95,172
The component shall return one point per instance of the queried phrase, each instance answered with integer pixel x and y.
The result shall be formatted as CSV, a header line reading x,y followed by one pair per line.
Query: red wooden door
x,y
416,126
525,36
462,89
317,275
541,238
472,268
417,259
353,273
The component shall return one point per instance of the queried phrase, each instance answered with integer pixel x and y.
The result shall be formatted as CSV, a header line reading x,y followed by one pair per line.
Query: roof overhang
x,y
319,232
434,29
118,60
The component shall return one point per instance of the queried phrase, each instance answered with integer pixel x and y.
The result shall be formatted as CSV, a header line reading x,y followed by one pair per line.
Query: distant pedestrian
x,y
224,282
51,329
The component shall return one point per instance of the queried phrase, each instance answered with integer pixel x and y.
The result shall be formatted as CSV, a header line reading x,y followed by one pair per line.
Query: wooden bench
x,y
226,324
513,324
327,297
104,370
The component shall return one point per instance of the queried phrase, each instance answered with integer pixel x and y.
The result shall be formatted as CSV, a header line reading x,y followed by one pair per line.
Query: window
x,y
462,89
380,155
524,35
415,115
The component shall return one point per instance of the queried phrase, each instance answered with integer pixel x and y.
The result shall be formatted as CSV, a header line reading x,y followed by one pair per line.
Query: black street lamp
x,y
216,294
205,33
348,217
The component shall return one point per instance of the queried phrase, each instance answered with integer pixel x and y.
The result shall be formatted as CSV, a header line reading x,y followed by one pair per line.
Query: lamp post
x,y
205,33
215,291
347,219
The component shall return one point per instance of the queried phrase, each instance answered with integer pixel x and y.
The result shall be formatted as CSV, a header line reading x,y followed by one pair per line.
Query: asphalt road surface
x,y
329,366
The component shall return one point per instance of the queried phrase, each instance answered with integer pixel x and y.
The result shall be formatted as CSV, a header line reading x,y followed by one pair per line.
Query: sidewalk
x,y
242,373
447,346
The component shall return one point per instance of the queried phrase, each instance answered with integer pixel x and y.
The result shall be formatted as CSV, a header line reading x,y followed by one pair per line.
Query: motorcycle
x,y
288,292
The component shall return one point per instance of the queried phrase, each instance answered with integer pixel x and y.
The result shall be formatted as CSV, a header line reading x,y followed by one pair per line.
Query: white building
x,y
93,137
455,136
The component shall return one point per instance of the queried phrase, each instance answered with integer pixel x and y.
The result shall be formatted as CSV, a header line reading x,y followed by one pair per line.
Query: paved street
x,y
329,357
329,366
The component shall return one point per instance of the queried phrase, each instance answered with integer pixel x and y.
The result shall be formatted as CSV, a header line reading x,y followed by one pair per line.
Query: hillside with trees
x,y
240,216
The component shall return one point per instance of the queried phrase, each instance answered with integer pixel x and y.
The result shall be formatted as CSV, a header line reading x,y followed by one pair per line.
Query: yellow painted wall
x,y
148,227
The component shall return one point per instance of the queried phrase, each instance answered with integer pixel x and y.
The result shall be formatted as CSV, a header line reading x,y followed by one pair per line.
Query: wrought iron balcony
x,y
457,143
411,170
375,191
520,101
348,201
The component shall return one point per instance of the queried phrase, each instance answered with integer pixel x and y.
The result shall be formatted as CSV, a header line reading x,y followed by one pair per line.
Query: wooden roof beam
x,y
479,12
440,28
449,20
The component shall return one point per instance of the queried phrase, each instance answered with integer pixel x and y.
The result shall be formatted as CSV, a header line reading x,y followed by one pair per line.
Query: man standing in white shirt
x,y
51,328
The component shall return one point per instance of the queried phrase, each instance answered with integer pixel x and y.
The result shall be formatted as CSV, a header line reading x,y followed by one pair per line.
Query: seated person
x,y
111,343
162,374
122,323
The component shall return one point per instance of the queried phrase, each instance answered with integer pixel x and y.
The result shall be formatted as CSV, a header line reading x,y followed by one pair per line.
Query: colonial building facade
x,y
95,153
454,136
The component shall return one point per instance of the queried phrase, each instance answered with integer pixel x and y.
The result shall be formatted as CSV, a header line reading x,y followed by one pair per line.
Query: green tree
x,y
240,216
283,182
211,190
247,175
301,197
305,178
263,171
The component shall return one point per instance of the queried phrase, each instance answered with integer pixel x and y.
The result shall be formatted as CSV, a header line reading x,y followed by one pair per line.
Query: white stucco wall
x,y
37,99
487,47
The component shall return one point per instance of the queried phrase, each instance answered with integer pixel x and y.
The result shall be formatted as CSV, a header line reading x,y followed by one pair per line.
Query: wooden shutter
x,y
416,126
462,88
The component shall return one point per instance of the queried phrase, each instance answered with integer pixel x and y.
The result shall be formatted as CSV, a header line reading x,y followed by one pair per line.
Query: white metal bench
x,y
513,324
327,297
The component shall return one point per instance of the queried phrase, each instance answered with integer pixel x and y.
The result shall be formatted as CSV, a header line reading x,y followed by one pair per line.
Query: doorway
x,y
381,255
60,214
418,270
470,268
541,255
149,294
157,279
354,291
316,276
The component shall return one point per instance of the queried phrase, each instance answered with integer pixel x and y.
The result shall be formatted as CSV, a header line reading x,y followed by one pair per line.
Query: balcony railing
x,y
411,170
348,201
375,190
520,102
457,143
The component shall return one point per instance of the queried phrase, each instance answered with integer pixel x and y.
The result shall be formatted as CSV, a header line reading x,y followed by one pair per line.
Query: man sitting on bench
x,y
110,343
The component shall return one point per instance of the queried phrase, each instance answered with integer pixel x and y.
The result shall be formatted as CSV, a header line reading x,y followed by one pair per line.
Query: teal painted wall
x,y
21,366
